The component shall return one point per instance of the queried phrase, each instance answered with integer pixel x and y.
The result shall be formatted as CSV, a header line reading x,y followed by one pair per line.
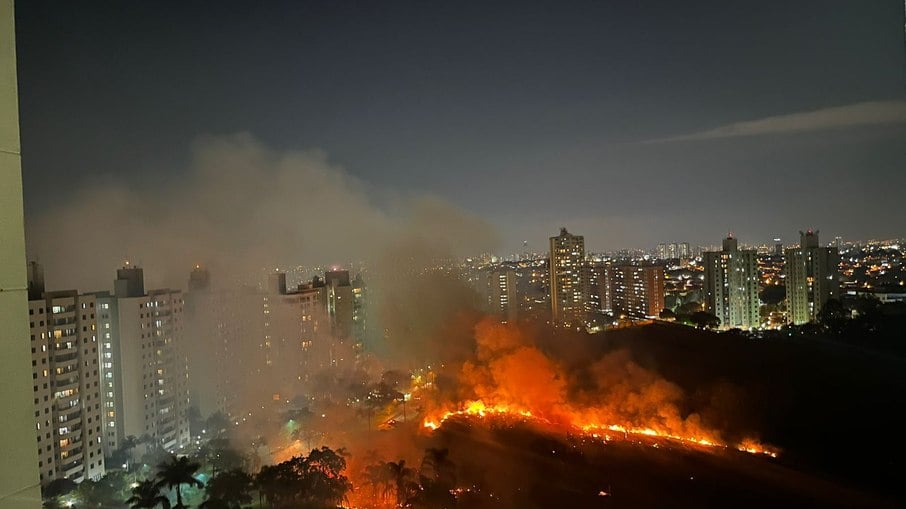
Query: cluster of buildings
x,y
575,289
673,250
732,282
107,366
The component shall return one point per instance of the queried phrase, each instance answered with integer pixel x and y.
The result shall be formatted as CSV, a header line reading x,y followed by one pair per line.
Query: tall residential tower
x,y
566,260
811,278
66,386
145,376
731,285
638,290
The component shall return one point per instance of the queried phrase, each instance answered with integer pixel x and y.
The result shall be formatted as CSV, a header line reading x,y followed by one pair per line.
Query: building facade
x,y
812,277
637,290
66,386
149,378
212,324
731,285
503,299
567,257
107,316
595,280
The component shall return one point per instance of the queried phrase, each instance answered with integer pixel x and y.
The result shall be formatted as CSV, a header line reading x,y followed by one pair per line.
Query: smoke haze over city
x,y
242,209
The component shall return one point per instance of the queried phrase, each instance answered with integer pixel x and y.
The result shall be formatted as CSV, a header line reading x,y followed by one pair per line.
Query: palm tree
x,y
437,478
147,496
402,476
176,472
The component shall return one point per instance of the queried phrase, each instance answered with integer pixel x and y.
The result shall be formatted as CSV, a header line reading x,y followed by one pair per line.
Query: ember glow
x,y
513,381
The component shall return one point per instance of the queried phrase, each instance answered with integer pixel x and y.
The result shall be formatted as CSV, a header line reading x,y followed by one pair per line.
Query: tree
x,y
123,454
402,478
104,493
58,487
216,424
323,476
315,481
154,454
666,314
376,475
437,476
147,496
703,320
688,308
220,456
832,315
175,472
773,294
233,488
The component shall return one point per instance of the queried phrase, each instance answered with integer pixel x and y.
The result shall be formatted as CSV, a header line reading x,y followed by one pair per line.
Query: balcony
x,y
70,383
67,358
66,408
74,435
74,466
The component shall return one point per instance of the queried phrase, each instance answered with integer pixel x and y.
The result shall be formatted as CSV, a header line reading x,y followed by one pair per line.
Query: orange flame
x,y
594,430
511,379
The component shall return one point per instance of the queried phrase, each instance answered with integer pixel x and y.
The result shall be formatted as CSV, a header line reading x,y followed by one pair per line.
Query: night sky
x,y
607,117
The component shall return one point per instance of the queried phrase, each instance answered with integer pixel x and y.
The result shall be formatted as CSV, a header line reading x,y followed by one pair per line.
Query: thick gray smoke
x,y
241,208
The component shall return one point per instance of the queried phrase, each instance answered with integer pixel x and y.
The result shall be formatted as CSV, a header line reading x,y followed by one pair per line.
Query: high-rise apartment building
x,y
567,256
595,281
359,312
811,278
288,330
503,300
637,290
67,386
150,375
731,285
340,304
107,317
212,324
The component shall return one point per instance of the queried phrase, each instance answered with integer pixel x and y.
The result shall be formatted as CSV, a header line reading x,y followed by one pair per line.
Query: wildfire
x,y
479,409
594,430
510,378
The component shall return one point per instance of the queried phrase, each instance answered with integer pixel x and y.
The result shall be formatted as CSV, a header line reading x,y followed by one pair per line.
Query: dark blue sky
x,y
530,114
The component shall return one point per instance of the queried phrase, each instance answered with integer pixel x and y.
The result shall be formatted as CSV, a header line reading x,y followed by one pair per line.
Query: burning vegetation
x,y
611,398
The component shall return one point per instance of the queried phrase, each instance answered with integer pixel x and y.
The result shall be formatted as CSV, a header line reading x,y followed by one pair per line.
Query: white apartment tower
x,y
67,388
149,375
811,278
731,286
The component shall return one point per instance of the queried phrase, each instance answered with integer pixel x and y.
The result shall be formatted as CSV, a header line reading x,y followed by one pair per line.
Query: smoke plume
x,y
241,208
